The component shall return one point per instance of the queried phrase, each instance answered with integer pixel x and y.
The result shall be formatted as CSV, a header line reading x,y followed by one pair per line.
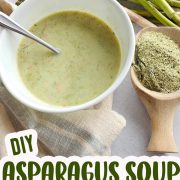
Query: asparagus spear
x,y
168,10
134,1
143,13
146,14
174,3
137,2
156,13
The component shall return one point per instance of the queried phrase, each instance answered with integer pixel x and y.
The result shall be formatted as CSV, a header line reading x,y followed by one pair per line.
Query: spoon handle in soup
x,y
162,116
10,24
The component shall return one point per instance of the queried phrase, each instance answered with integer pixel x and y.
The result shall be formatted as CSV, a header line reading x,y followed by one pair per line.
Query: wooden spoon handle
x,y
162,115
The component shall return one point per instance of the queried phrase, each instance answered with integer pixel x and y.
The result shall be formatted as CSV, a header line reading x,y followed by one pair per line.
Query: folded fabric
x,y
81,133
5,128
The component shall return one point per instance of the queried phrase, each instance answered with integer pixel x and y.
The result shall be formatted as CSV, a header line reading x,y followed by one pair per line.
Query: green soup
x,y
87,65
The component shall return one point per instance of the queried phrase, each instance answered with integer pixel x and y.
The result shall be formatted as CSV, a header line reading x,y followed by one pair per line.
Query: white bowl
x,y
32,11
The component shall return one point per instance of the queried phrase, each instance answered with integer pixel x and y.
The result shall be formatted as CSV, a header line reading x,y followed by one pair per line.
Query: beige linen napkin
x,y
86,132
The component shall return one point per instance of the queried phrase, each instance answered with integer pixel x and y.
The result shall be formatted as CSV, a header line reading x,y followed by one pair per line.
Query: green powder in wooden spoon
x,y
157,62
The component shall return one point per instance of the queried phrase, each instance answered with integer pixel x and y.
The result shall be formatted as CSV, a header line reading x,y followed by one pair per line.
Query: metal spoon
x,y
10,24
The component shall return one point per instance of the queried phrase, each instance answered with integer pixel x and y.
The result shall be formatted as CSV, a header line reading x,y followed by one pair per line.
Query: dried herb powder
x,y
157,62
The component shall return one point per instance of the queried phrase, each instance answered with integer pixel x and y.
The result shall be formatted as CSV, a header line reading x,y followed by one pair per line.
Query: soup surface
x,y
87,65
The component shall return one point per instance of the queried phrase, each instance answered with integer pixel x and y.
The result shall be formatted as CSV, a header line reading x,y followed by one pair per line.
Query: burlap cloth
x,y
86,132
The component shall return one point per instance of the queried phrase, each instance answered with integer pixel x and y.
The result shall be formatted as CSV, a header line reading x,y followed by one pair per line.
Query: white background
x,y
134,138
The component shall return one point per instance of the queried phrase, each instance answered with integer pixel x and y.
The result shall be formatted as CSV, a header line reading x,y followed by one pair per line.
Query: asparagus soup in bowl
x,y
97,45
88,64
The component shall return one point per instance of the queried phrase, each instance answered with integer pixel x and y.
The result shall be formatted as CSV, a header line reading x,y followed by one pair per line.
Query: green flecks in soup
x,y
86,67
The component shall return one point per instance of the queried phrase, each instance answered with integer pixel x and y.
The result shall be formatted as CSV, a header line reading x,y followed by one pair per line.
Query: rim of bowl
x,y
98,99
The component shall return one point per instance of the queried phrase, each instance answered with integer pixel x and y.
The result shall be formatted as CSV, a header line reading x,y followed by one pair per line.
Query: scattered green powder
x,y
157,62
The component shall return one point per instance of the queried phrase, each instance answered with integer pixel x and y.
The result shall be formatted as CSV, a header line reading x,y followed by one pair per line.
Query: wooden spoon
x,y
160,107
